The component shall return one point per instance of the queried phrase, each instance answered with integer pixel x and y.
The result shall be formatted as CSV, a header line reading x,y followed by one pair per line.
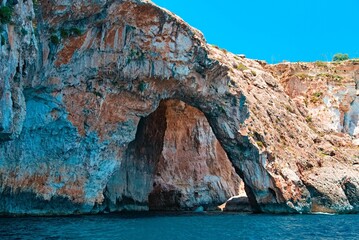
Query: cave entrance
x,y
175,163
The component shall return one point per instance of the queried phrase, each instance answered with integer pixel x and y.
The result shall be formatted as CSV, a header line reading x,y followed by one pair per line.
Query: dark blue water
x,y
184,226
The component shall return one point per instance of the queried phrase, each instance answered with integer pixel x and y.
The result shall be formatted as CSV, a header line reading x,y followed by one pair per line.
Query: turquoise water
x,y
182,226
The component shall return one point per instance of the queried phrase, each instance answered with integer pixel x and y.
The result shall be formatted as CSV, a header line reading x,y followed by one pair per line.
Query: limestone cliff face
x,y
329,91
18,61
79,122
327,95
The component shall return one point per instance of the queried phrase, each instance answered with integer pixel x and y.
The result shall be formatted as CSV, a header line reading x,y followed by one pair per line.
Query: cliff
x,y
119,104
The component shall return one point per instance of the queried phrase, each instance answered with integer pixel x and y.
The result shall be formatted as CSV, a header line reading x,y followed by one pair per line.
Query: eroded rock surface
x,y
329,91
76,89
194,163
174,163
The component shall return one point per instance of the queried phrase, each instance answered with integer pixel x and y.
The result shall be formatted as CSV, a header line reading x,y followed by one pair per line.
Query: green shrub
x,y
135,55
241,67
317,94
337,78
340,57
142,86
23,31
260,144
98,94
309,119
3,40
327,75
75,31
55,40
5,14
331,77
64,33
303,76
321,64
316,97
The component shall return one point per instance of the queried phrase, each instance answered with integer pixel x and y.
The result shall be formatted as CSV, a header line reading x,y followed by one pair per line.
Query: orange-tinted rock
x,y
328,90
177,161
193,163
72,44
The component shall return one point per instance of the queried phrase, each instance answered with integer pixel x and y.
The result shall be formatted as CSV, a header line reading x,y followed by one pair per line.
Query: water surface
x,y
182,226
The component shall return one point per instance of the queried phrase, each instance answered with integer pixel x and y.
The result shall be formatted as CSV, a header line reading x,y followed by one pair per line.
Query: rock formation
x,y
184,164
86,90
329,91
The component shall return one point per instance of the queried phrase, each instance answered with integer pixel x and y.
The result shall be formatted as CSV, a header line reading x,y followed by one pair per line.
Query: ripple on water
x,y
182,226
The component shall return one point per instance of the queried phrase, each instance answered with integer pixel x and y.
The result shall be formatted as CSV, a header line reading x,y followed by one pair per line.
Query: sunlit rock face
x,y
80,85
193,163
174,163
330,92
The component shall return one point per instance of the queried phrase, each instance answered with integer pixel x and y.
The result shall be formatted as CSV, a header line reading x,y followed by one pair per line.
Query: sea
x,y
161,226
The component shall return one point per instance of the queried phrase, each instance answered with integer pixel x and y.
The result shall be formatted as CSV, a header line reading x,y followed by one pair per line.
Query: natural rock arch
x,y
174,163
156,56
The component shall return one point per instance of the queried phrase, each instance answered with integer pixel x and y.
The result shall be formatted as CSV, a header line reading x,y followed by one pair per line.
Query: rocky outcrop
x,y
76,108
326,94
329,92
237,204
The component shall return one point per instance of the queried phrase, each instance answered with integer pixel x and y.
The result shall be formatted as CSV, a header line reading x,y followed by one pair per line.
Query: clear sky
x,y
275,30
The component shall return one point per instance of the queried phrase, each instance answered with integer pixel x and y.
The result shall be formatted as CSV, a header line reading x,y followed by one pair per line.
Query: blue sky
x,y
277,30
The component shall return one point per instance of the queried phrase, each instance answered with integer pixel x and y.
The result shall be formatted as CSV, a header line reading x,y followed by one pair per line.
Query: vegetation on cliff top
x,y
5,14
340,57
